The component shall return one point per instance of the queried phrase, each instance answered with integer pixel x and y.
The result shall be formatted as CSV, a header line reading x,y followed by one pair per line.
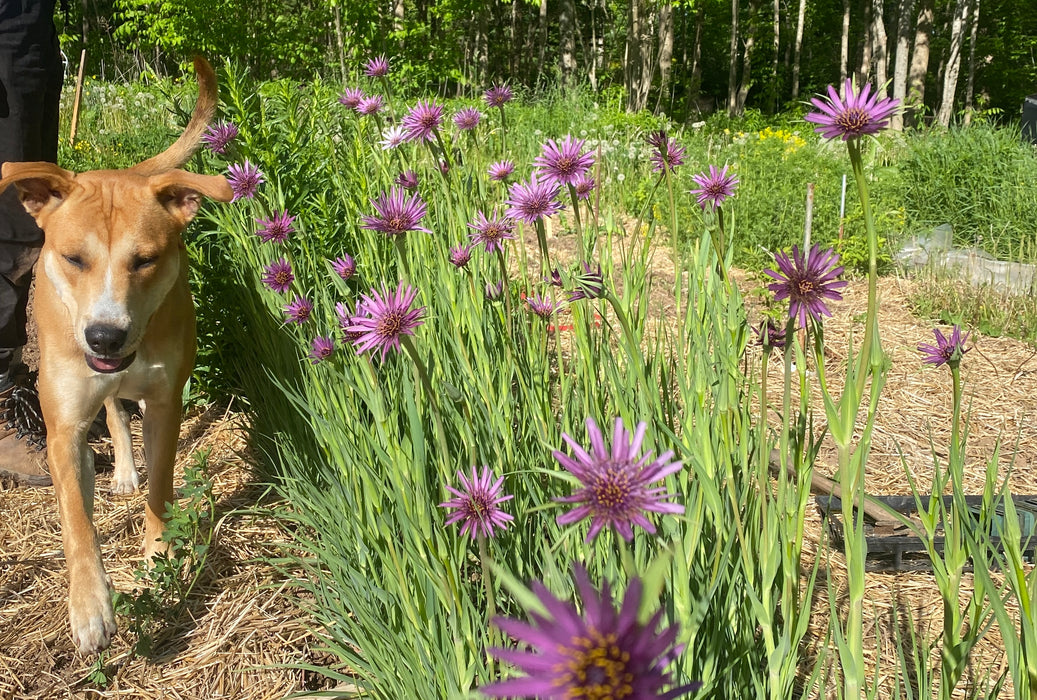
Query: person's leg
x,y
30,91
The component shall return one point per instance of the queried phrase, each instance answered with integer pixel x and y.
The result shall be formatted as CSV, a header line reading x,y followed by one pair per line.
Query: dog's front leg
x,y
161,430
89,603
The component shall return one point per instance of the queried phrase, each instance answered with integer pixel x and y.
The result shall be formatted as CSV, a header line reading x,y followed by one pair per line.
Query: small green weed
x,y
167,583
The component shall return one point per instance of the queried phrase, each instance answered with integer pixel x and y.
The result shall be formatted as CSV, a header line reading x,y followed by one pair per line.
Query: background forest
x,y
947,59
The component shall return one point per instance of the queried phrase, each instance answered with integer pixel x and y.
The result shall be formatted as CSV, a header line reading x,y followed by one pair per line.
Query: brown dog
x,y
115,320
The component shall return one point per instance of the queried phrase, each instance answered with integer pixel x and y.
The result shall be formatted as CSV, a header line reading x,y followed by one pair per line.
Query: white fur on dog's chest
x,y
139,379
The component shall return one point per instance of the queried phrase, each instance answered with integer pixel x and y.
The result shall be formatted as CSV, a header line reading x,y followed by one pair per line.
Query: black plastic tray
x,y
898,549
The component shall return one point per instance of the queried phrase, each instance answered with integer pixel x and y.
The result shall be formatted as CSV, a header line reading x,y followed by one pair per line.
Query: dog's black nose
x,y
104,339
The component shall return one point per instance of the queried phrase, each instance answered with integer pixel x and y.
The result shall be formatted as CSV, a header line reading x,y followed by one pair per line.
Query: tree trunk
x,y
747,57
800,18
879,44
953,64
864,67
732,71
971,82
567,42
919,63
902,59
542,39
775,88
665,61
695,85
844,46
340,42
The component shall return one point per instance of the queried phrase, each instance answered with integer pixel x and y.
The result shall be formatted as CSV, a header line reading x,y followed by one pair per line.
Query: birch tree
x,y
970,83
800,19
902,59
953,63
919,61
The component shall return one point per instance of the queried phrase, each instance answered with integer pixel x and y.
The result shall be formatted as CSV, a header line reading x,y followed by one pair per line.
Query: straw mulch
x,y
237,634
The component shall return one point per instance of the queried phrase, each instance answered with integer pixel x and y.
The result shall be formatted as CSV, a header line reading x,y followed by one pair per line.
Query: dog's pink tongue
x,y
103,364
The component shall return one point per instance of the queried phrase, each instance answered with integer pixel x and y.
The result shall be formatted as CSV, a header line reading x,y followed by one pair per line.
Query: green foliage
x,y
978,179
168,580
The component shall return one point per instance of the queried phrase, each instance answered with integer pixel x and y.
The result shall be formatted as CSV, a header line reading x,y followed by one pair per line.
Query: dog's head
x,y
112,246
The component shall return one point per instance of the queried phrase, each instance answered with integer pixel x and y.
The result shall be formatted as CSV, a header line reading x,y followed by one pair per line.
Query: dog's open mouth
x,y
108,365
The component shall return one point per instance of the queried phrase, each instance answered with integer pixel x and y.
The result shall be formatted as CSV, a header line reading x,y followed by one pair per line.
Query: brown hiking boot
x,y
23,436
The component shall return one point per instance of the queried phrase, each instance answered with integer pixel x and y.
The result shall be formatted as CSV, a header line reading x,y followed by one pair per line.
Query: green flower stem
x,y
545,254
387,91
491,603
871,351
401,248
579,228
503,132
419,367
678,266
720,245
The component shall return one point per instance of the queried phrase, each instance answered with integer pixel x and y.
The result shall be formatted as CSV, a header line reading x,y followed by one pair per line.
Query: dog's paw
x,y
125,483
92,617
154,548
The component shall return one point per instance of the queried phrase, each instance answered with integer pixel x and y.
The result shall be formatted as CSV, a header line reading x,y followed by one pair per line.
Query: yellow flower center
x,y
596,669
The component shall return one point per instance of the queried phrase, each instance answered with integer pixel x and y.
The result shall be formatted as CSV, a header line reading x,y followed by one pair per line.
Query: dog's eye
x,y
143,262
75,261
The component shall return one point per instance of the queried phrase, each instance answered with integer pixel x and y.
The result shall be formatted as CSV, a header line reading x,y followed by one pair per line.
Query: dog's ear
x,y
181,192
42,187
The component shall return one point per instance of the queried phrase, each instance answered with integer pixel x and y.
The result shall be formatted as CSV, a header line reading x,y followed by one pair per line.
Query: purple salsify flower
x,y
714,187
467,119
422,122
495,291
769,335
298,311
278,276
498,96
852,116
219,136
321,349
345,316
530,201
477,504
555,279
542,306
460,255
277,228
806,283
393,137
584,185
351,97
616,484
948,350
492,232
408,180
244,180
344,267
564,163
590,284
370,105
396,213
501,170
384,317
377,67
667,154
600,653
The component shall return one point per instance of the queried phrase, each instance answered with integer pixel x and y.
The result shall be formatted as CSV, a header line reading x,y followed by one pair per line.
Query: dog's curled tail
x,y
185,146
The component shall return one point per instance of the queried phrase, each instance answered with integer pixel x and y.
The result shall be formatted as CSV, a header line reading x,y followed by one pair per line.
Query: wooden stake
x,y
75,105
